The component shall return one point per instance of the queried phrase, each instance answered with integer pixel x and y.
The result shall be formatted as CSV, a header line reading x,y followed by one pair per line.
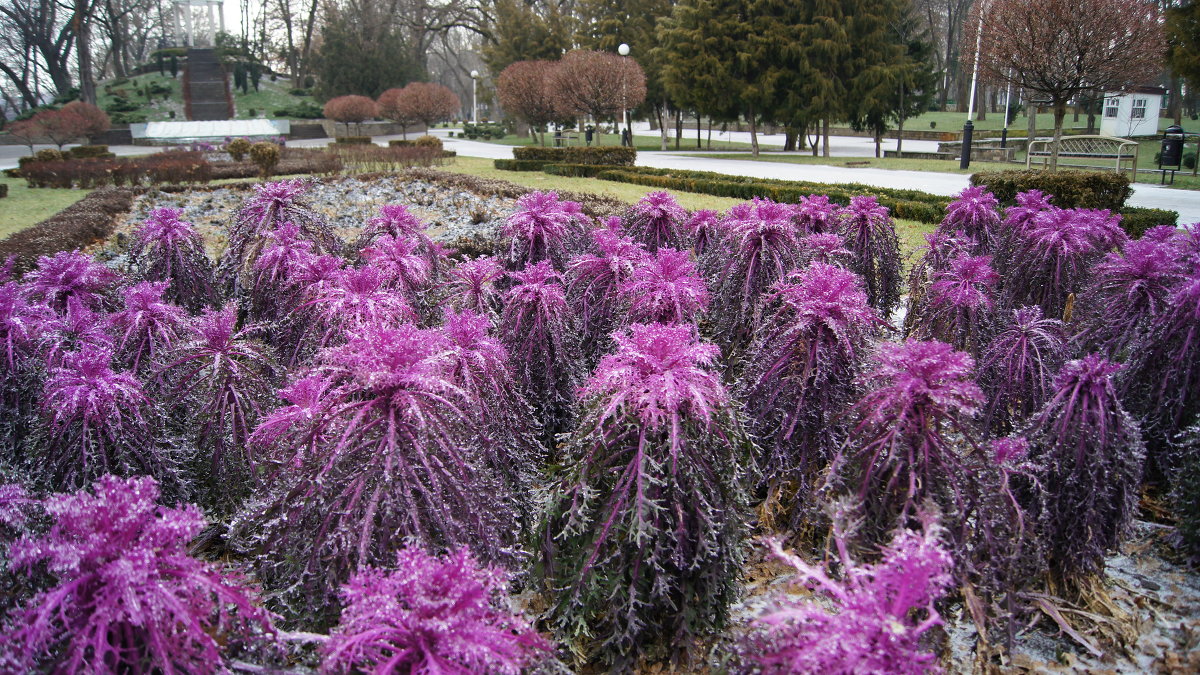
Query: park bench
x,y
567,138
1086,152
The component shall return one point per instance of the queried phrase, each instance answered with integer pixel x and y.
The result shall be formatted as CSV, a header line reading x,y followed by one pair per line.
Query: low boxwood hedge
x,y
606,155
1071,189
519,164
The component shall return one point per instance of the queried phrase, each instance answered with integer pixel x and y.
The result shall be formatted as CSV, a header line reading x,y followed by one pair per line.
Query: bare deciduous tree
x,y
600,84
525,91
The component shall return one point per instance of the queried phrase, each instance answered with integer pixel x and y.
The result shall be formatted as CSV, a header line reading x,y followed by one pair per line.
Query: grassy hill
x,y
166,97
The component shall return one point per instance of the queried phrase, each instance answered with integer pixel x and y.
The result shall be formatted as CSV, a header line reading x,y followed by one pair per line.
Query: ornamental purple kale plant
x,y
878,618
815,214
168,249
976,212
657,221
906,447
277,290
507,427
869,232
1017,369
273,205
760,246
539,330
22,325
594,283
357,299
1128,292
96,421
216,383
471,286
1162,382
391,463
1051,256
128,598
431,615
71,275
402,264
703,228
397,222
816,333
665,289
641,543
828,249
958,305
542,228
147,327
1089,452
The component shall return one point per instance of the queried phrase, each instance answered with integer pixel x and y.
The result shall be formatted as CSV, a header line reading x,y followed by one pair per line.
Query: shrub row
x,y
737,187
90,152
1071,189
165,167
1135,220
525,165
85,222
608,155
353,140
392,158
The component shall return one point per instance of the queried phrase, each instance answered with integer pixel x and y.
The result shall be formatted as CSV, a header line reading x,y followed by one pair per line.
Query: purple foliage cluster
x,y
127,597
71,276
147,327
1018,366
543,228
957,306
976,213
665,288
377,450
431,615
471,286
1089,452
816,214
168,249
648,518
817,331
869,233
879,614
703,228
657,221
594,283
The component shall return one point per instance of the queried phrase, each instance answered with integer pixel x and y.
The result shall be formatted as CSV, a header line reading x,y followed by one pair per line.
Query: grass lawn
x,y
953,121
25,206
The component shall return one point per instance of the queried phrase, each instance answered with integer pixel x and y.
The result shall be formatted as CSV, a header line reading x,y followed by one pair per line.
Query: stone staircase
x,y
207,95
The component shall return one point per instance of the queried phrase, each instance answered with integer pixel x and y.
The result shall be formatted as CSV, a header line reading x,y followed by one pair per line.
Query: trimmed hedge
x,y
3,190
1071,189
90,152
606,155
928,209
353,140
522,165
1136,220
401,143
85,222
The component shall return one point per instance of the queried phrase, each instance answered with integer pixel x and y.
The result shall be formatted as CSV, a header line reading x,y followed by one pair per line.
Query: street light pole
x,y
623,50
969,128
474,101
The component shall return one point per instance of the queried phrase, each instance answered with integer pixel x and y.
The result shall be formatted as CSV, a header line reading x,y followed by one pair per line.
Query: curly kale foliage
x,y
870,233
801,368
875,618
277,273
594,282
23,325
657,221
471,285
665,288
431,615
1089,454
703,228
759,246
353,300
641,541
216,384
388,460
539,329
906,446
1128,292
71,275
1161,384
1050,256
542,229
1017,369
95,421
958,304
127,597
975,212
147,327
165,248
815,214
273,206
826,248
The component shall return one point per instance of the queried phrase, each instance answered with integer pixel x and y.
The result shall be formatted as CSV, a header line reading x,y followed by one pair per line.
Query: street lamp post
x,y
969,127
474,101
623,50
